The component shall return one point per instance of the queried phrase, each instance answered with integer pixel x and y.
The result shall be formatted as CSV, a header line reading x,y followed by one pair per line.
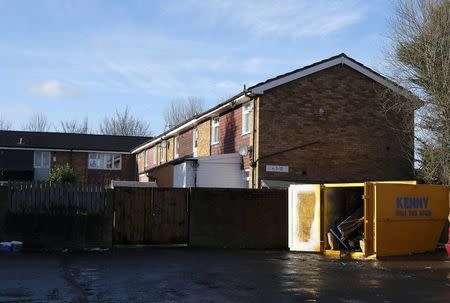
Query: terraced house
x,y
30,156
320,123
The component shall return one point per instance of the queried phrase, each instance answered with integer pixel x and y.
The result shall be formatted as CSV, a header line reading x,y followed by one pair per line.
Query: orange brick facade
x,y
338,106
79,162
231,138
342,109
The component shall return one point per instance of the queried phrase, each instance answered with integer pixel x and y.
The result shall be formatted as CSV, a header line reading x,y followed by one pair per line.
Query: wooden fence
x,y
33,197
238,218
80,216
149,215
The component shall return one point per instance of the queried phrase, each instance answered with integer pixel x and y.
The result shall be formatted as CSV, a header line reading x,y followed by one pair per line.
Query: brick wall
x,y
79,162
170,149
230,134
163,175
204,139
185,143
141,159
341,108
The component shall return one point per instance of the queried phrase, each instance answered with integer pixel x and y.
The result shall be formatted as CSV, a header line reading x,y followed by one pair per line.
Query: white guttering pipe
x,y
64,150
193,122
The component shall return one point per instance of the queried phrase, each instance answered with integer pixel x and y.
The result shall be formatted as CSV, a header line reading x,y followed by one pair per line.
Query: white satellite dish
x,y
243,151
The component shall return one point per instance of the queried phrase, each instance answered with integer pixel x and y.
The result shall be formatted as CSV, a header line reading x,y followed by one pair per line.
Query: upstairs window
x,y
215,131
146,158
41,159
163,152
105,161
245,119
155,154
195,141
176,147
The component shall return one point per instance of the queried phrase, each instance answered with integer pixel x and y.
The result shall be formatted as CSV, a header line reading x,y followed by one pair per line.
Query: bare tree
x,y
4,124
181,110
74,126
38,122
420,62
124,124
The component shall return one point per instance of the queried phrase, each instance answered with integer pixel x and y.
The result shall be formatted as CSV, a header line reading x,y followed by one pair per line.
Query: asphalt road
x,y
186,275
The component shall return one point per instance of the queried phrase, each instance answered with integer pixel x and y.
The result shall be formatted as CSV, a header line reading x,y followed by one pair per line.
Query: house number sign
x,y
277,168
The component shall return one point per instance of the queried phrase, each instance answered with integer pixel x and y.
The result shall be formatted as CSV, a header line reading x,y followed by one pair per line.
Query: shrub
x,y
62,174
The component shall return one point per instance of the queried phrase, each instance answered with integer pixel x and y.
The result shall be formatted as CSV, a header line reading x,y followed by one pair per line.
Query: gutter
x,y
239,99
64,150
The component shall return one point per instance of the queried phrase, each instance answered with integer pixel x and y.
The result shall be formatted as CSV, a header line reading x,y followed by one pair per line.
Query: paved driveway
x,y
187,275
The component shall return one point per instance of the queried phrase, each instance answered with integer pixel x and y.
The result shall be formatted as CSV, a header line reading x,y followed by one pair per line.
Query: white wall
x,y
212,171
220,171
183,174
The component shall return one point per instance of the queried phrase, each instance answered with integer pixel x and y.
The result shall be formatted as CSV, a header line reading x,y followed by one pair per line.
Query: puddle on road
x,y
19,294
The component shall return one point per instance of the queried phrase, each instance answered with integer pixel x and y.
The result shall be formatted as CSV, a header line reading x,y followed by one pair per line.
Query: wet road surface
x,y
187,275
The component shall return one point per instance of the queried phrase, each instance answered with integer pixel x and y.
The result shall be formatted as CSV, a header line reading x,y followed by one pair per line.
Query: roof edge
x,y
190,122
342,58
72,134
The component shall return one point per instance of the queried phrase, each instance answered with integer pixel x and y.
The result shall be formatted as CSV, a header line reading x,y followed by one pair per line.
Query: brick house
x,y
94,158
320,123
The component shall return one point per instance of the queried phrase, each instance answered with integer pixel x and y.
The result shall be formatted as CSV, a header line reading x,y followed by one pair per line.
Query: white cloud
x,y
293,18
53,88
129,59
13,111
228,86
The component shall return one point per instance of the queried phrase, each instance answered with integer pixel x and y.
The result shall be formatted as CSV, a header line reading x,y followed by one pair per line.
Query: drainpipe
x,y
253,143
253,98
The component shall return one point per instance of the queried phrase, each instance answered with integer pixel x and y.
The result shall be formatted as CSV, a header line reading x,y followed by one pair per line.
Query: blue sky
x,y
71,59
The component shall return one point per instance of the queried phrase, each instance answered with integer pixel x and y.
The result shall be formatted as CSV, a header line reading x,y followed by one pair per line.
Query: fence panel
x,y
238,218
150,215
170,215
35,197
55,216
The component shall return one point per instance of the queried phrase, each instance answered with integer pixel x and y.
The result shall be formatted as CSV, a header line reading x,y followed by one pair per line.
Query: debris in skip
x,y
348,231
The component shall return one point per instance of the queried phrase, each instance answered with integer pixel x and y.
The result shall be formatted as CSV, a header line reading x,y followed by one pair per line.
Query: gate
x,y
149,215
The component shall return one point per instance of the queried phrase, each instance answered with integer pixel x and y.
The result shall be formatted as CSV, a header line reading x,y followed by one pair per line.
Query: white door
x,y
304,218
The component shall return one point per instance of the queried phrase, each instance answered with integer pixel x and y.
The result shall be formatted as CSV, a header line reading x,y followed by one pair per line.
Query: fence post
x,y
4,200
109,213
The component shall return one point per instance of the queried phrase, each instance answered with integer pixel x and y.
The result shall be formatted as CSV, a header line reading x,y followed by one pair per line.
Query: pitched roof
x,y
68,141
324,64
261,87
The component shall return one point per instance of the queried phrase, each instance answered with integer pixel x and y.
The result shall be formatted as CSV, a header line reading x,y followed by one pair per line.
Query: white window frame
x,y
102,163
194,141
145,158
176,146
40,154
246,109
155,154
215,124
162,154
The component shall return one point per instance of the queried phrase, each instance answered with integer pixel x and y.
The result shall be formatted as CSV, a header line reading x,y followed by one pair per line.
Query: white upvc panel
x,y
220,171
